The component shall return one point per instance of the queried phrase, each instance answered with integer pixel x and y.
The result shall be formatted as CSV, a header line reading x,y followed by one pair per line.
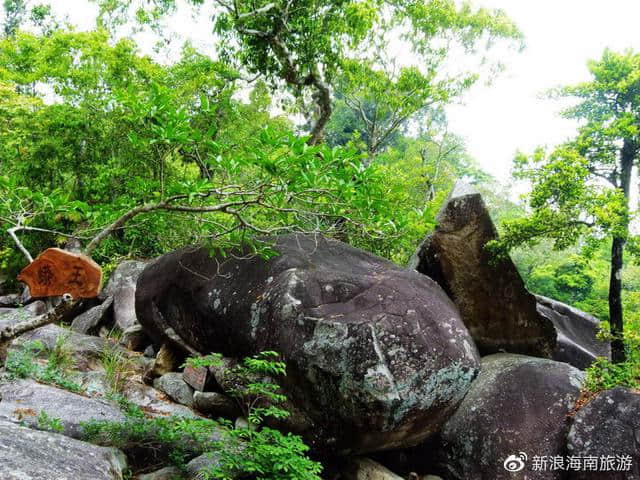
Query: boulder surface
x,y
122,287
494,304
517,404
608,428
377,355
25,400
27,454
577,342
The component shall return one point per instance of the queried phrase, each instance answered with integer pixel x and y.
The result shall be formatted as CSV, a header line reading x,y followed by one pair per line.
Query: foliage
x,y
118,367
581,189
51,424
130,137
22,363
305,46
255,451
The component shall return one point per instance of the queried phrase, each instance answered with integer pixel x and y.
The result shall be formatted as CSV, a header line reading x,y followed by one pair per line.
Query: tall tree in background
x,y
304,45
583,187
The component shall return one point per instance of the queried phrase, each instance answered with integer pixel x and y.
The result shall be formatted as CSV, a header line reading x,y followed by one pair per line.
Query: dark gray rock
x,y
122,287
517,404
577,343
27,454
608,426
376,354
24,400
173,385
494,304
215,404
89,322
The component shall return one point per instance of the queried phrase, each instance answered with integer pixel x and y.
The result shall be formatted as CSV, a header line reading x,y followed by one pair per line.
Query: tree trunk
x,y
615,301
616,317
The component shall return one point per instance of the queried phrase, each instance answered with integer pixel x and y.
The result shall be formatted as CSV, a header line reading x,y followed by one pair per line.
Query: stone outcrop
x,y
23,401
122,287
27,454
376,354
577,343
89,322
517,404
608,427
494,304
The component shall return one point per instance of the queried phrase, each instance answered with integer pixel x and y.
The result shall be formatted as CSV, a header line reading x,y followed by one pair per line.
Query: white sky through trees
x,y
497,120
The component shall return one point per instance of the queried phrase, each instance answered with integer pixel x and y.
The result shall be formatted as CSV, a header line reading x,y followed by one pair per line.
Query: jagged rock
x,y
376,354
122,287
608,426
215,404
27,454
494,304
517,404
173,385
89,322
86,349
24,400
367,469
577,343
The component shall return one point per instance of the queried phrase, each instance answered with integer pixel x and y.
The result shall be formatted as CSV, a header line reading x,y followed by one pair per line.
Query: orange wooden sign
x,y
56,272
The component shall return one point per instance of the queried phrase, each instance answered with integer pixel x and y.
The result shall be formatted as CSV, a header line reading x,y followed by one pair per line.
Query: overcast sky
x,y
497,120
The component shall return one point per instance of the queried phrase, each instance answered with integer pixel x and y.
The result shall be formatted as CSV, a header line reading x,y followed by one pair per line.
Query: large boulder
x,y
376,354
24,401
27,454
607,429
577,342
494,304
517,404
122,287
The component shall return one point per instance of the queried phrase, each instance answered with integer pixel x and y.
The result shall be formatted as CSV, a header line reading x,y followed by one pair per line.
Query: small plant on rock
x,y
250,452
22,363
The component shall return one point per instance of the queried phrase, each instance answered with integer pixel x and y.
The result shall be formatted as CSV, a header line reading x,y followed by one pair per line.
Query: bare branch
x,y
12,233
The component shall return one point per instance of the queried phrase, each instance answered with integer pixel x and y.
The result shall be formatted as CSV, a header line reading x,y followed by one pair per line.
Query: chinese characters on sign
x,y
56,272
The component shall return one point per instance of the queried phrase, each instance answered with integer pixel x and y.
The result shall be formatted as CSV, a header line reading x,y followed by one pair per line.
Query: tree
x,y
582,188
127,138
39,16
306,44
